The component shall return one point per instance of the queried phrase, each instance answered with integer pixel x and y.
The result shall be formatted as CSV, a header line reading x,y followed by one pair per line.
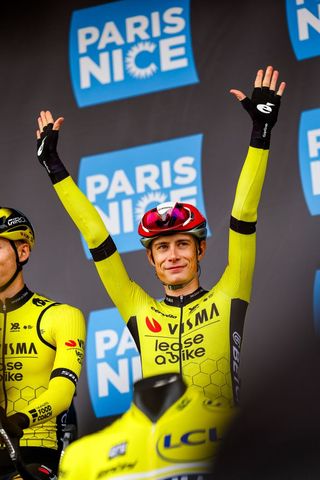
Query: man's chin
x,y
177,280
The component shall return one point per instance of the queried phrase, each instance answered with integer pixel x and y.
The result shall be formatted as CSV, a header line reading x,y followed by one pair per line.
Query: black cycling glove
x,y
48,155
10,426
263,108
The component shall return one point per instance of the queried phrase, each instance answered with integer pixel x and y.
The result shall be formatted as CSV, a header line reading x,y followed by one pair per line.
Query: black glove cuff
x,y
54,167
258,141
59,175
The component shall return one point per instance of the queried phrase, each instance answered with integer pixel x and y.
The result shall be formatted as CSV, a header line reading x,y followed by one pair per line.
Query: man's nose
x,y
173,252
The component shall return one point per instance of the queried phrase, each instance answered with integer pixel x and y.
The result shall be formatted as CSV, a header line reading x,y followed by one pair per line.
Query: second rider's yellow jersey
x,y
41,354
199,334
181,445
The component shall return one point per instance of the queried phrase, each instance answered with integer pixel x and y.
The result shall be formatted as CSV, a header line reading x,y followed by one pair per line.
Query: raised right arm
x,y
103,250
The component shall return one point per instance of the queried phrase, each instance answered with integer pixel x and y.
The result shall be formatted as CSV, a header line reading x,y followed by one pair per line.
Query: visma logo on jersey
x,y
304,27
113,363
123,184
316,301
309,158
125,48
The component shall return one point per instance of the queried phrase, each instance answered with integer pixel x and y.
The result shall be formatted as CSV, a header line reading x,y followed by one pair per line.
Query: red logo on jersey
x,y
153,325
71,343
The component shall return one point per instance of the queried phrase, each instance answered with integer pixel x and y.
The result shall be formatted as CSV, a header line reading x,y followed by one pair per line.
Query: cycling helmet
x,y
14,225
169,218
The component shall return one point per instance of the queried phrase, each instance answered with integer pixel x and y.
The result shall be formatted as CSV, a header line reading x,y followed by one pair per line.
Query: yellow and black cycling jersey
x,y
41,354
199,334
182,444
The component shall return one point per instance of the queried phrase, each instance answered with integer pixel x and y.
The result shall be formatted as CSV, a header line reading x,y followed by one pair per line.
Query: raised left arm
x,y
263,109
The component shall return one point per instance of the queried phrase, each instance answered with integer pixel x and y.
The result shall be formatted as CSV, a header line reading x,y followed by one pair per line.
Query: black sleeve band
x,y
66,373
105,250
239,226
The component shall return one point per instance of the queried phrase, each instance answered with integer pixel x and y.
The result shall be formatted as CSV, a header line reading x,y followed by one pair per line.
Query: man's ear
x,y
23,251
202,249
150,256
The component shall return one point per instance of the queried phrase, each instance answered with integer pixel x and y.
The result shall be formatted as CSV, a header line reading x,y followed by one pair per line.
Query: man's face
x,y
175,257
8,263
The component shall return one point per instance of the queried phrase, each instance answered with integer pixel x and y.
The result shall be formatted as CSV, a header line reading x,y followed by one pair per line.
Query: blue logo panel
x,y
123,49
304,27
309,158
316,301
113,363
124,184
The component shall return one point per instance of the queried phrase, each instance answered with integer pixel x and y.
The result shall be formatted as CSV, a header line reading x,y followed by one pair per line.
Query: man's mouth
x,y
175,268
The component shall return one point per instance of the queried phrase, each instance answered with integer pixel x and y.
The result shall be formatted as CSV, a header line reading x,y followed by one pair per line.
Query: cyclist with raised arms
x,y
191,330
41,354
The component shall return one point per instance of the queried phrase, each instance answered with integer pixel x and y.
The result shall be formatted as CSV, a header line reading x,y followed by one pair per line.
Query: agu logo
x,y
309,158
125,48
113,363
304,27
316,301
123,184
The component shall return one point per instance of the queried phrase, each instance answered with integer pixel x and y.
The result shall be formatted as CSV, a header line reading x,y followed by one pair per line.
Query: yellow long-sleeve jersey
x,y
41,354
181,444
199,334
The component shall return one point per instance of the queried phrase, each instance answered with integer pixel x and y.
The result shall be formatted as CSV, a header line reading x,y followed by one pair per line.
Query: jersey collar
x,y
18,299
182,300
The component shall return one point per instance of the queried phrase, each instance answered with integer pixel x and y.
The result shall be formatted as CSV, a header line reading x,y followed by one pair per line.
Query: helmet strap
x,y
178,286
18,269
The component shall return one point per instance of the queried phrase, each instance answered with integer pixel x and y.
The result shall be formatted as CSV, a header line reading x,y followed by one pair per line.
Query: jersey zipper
x,y
180,333
4,311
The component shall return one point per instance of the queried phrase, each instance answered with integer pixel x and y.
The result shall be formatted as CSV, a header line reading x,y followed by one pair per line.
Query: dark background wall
x,y
231,40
